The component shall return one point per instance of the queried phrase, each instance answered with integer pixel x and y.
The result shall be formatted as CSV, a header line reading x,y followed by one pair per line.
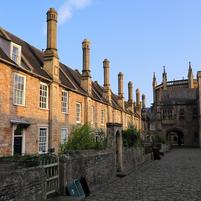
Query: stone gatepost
x,y
114,142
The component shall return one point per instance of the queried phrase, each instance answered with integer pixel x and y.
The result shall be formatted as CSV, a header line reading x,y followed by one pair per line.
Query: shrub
x,y
131,137
83,137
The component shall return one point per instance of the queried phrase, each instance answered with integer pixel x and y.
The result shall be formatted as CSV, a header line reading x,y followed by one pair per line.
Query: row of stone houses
x,y
41,98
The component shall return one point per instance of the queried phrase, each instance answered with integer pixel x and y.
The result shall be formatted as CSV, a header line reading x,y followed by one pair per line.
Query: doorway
x,y
175,137
18,140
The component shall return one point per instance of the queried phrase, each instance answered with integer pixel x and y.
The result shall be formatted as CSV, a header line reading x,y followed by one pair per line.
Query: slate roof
x,y
32,61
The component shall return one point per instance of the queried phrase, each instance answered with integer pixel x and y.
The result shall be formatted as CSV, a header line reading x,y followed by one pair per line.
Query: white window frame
x,y
78,117
64,109
47,97
14,89
66,137
19,52
47,139
102,117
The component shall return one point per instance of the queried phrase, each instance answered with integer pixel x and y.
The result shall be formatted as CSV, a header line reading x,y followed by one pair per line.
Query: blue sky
x,y
139,37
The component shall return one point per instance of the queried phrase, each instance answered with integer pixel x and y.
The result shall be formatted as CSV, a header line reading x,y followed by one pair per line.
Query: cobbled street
x,y
176,177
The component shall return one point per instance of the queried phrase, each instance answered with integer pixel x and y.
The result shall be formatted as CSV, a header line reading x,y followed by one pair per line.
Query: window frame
x,y
47,139
80,114
62,102
181,114
67,135
19,53
47,98
102,117
14,89
92,115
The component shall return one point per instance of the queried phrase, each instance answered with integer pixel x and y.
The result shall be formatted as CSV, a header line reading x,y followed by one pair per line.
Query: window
x,y
19,89
43,96
43,140
16,53
195,113
64,135
64,102
102,117
92,114
167,114
78,112
181,114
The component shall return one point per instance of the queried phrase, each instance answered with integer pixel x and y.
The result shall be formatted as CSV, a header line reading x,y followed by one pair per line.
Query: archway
x,y
175,137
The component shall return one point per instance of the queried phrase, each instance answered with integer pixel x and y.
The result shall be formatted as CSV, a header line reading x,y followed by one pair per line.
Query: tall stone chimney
x,y
137,97
86,76
130,96
120,90
51,66
51,60
120,84
107,92
143,101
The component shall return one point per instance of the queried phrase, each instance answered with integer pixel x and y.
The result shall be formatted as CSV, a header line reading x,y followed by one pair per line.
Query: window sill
x,y
47,109
22,105
65,113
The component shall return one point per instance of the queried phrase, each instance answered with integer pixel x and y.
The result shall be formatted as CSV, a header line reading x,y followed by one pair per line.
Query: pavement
x,y
176,177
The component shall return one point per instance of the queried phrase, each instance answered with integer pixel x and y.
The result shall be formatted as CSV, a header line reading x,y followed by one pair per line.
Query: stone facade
x,y
22,184
98,167
25,125
175,111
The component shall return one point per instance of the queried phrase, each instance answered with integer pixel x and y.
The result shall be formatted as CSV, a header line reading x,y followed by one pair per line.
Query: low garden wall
x,y
98,167
20,183
133,157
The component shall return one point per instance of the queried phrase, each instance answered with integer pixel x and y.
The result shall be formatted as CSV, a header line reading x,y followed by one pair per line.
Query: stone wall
x,y
98,167
133,157
21,184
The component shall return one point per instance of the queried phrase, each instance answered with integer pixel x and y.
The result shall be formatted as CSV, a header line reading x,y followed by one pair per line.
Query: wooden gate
x,y
50,163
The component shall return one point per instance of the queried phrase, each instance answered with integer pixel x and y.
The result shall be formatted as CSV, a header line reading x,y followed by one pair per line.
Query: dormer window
x,y
16,53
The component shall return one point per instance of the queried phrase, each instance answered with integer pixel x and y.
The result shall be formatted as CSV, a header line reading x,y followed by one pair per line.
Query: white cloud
x,y
65,12
81,3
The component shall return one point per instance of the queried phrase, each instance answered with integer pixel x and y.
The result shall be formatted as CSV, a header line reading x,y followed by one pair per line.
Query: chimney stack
x,y
106,67
137,98
130,96
120,85
51,60
143,101
138,103
130,92
86,76
120,90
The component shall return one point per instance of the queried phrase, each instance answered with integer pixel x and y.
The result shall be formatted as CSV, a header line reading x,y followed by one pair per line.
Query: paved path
x,y
176,177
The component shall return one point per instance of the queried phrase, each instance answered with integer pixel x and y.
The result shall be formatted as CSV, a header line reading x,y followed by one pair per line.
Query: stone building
x,y
175,113
41,98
